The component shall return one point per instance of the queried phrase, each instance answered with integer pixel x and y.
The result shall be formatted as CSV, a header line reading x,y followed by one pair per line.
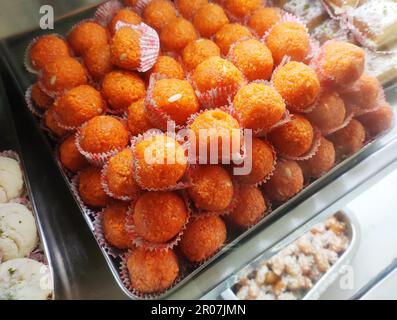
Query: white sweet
x,y
24,279
11,181
18,232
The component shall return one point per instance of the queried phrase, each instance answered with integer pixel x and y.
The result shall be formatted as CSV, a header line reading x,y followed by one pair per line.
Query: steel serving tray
x,y
225,290
315,196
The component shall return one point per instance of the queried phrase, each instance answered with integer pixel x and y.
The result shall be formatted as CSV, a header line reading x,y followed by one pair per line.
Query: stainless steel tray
x,y
225,290
372,159
10,143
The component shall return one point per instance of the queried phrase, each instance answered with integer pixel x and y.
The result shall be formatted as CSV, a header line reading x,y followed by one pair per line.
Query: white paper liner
x,y
105,12
31,105
149,43
147,245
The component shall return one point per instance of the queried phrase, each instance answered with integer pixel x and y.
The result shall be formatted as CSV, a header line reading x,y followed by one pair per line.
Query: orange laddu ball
x,y
262,156
152,271
203,237
188,8
250,207
176,99
159,216
212,129
321,162
52,124
70,156
159,13
167,67
137,121
161,162
253,59
348,140
121,88
293,138
62,74
378,121
329,113
216,73
79,105
119,175
288,39
113,225
125,48
87,34
90,188
229,34
340,63
98,61
262,19
242,8
259,106
209,19
298,85
46,49
286,181
177,35
125,15
197,51
40,98
212,188
364,94
103,134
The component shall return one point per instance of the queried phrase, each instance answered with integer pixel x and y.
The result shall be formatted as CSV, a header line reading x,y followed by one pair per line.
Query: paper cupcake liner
x,y
140,6
48,132
69,174
139,242
157,117
38,255
105,186
74,182
105,12
309,154
96,159
271,173
184,183
149,43
31,105
26,59
125,279
99,236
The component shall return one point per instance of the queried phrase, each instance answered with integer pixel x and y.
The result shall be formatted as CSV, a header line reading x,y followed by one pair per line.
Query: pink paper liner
x,y
96,159
184,183
105,186
105,12
140,6
31,105
75,191
38,255
139,242
157,117
309,154
26,59
125,279
99,236
149,43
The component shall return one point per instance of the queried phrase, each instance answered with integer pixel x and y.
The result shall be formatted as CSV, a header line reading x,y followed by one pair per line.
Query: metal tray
x,y
212,273
353,233
9,142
